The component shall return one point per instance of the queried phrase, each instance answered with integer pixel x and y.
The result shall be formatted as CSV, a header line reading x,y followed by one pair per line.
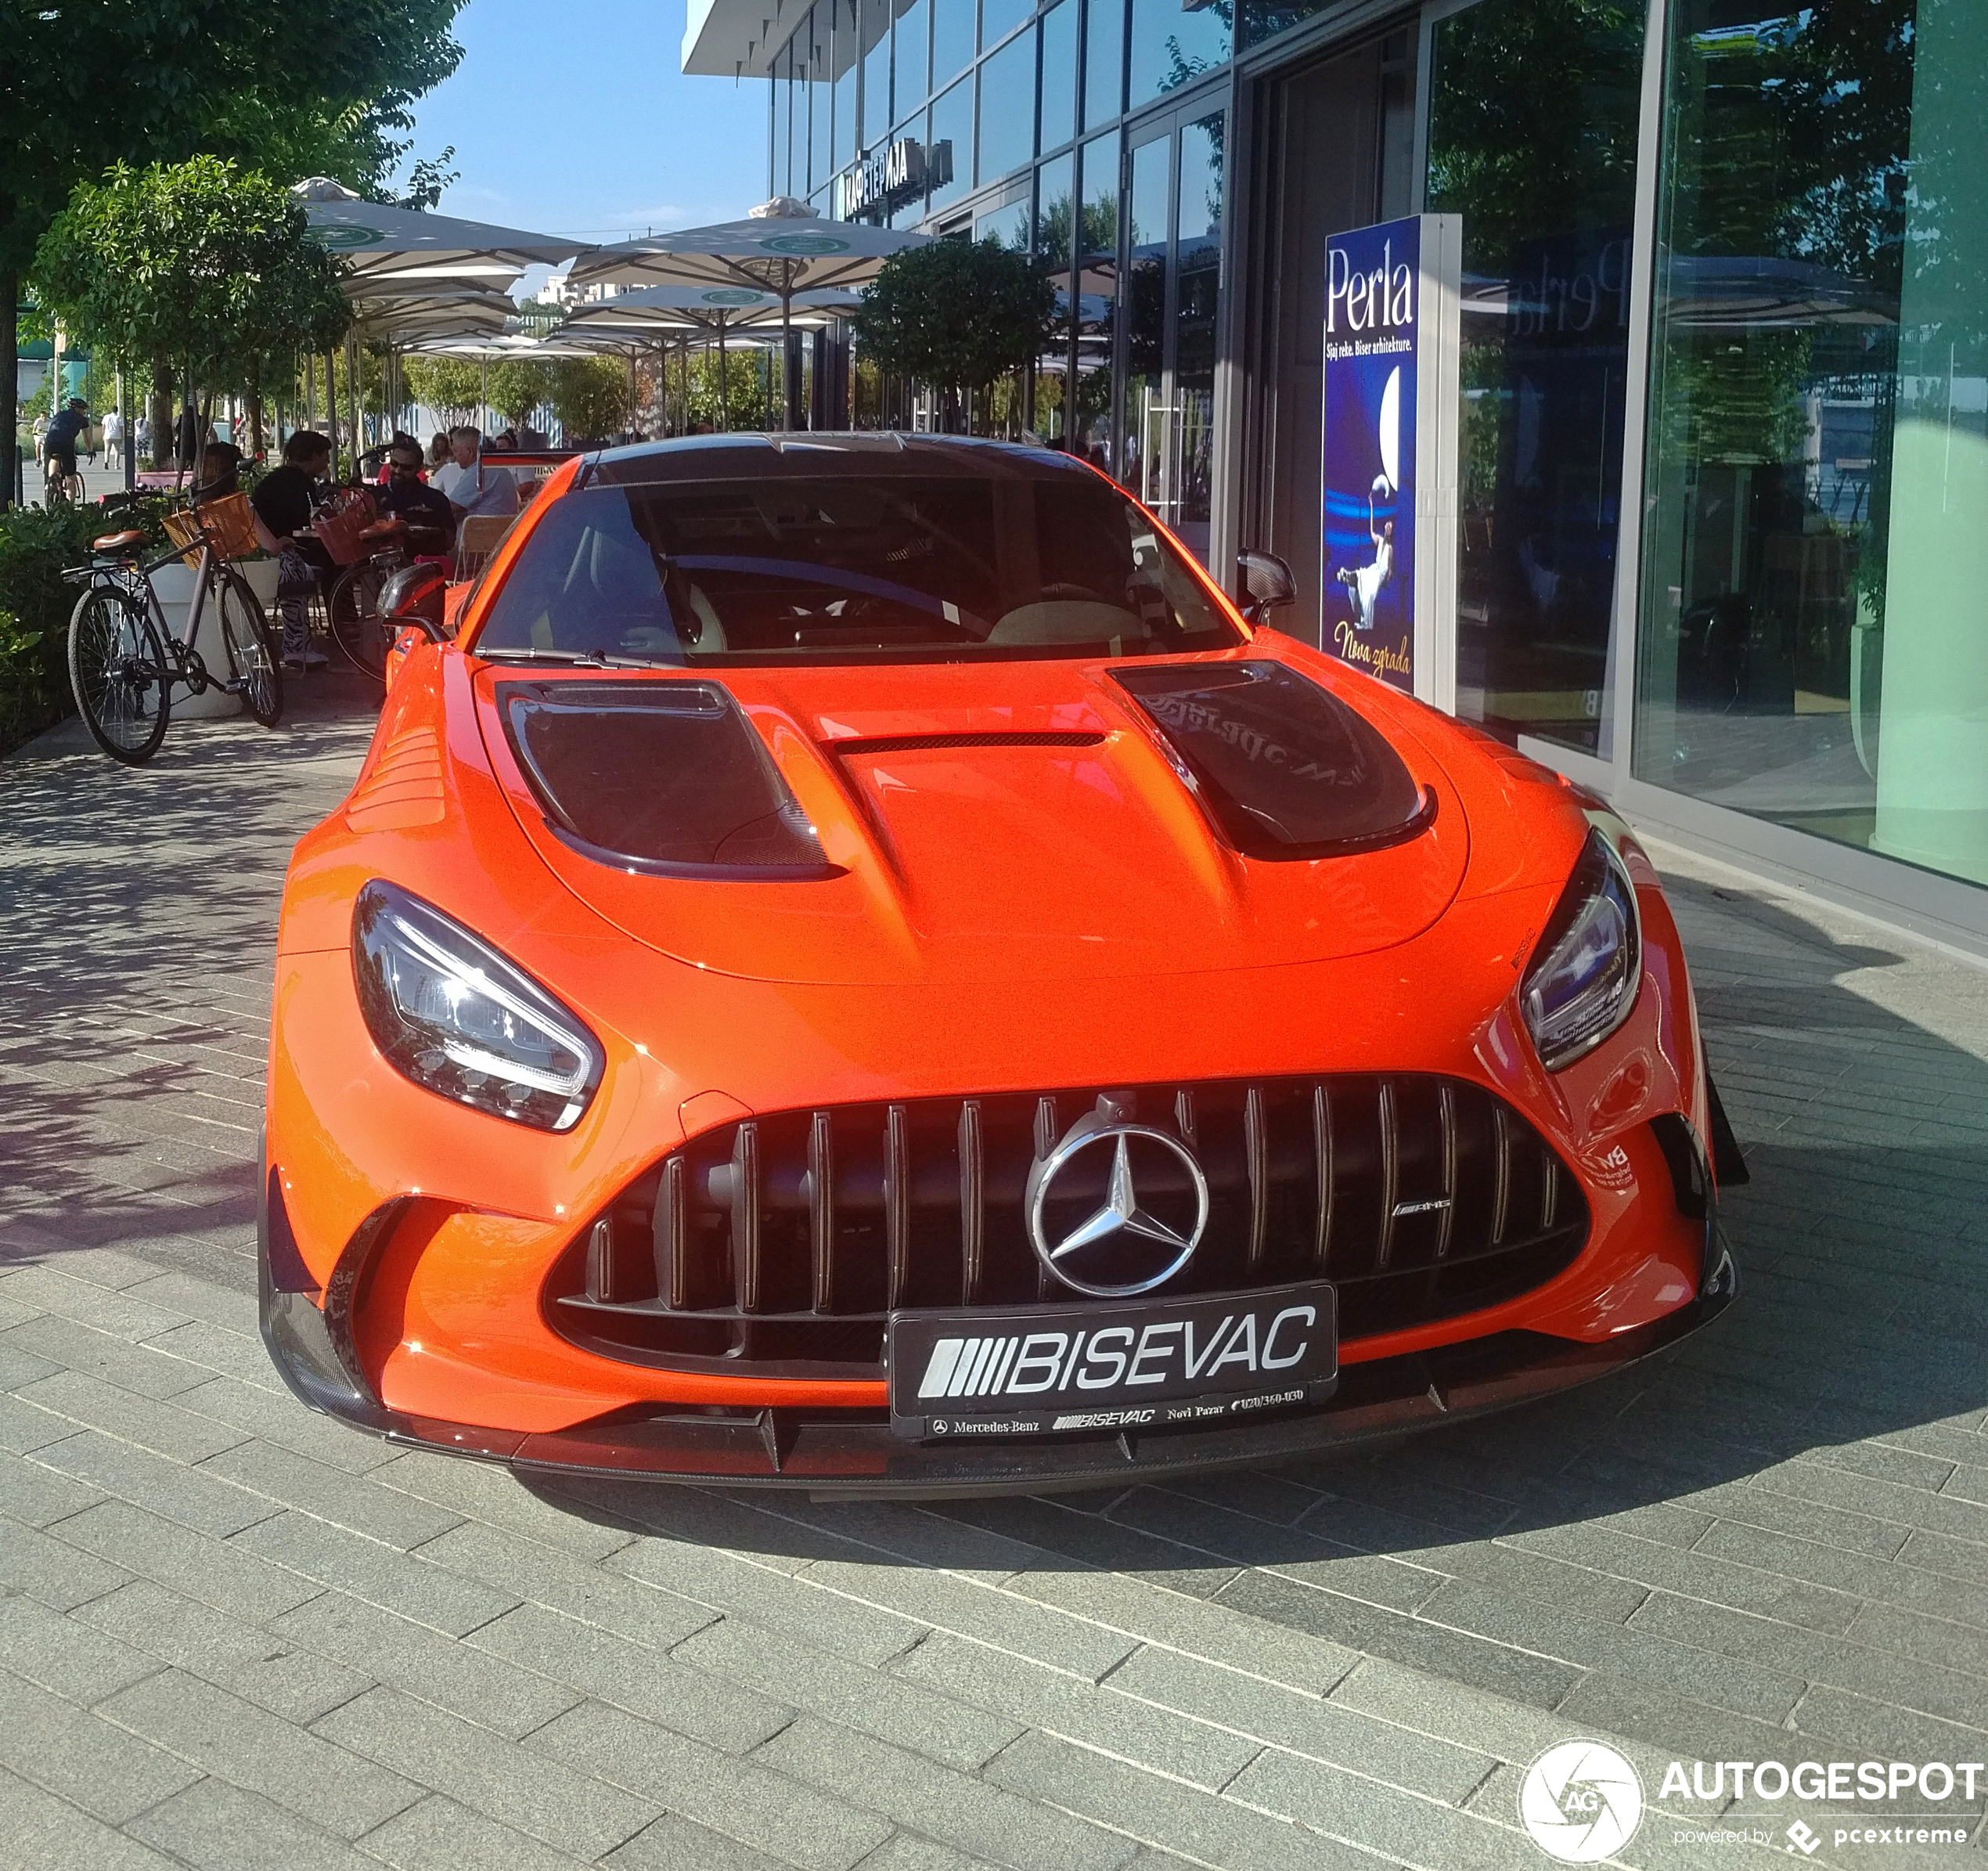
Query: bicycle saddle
x,y
116,542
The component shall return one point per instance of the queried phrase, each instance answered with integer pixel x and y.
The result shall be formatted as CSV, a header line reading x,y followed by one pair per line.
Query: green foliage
x,y
35,545
747,405
450,386
321,87
308,87
590,396
956,314
202,262
517,386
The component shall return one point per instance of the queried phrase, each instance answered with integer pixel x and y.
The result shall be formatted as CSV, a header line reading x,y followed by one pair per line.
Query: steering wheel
x,y
1065,592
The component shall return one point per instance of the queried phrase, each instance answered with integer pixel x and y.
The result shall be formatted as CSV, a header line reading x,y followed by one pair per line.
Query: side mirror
x,y
1267,585
415,597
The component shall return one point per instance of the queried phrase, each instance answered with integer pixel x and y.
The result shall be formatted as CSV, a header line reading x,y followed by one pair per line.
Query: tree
x,y
450,386
590,396
312,86
956,314
517,386
202,264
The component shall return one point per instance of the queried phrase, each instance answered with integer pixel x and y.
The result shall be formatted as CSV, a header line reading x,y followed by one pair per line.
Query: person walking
x,y
284,502
114,440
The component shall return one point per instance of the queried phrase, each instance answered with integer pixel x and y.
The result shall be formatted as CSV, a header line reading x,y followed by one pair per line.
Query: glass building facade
x,y
1723,439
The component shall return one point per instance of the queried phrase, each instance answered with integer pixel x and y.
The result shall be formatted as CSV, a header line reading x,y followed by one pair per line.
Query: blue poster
x,y
1372,292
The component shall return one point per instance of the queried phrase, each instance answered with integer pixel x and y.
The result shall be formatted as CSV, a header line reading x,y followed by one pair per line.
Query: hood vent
x,y
665,777
1285,768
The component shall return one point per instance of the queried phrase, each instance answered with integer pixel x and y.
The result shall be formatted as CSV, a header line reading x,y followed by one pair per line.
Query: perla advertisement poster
x,y
1388,592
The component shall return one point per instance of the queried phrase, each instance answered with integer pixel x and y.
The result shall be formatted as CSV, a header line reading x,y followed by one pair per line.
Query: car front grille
x,y
776,1245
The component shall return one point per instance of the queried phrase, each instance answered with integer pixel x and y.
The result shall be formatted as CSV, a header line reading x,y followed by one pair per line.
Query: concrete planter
x,y
175,584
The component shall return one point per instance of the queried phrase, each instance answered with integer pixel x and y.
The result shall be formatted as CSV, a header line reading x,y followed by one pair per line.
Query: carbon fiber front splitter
x,y
856,1453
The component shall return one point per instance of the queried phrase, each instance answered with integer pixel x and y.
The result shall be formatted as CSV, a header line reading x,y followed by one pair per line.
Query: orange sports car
x,y
852,964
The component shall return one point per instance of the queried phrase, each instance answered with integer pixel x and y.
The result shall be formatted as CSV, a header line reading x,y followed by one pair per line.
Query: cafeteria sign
x,y
1387,564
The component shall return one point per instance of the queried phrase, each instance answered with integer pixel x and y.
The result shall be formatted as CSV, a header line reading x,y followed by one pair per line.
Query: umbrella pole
x,y
724,407
787,345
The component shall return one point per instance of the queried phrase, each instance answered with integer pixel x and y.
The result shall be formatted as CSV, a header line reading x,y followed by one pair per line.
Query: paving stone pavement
x,y
233,1634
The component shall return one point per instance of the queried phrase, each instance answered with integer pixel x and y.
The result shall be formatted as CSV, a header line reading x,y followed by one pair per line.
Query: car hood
x,y
1011,822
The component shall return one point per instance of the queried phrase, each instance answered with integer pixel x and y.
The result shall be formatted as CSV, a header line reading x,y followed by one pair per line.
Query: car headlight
x,y
449,1012
1584,973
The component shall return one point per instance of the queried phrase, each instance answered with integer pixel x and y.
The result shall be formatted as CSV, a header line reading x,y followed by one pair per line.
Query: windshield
x,y
851,567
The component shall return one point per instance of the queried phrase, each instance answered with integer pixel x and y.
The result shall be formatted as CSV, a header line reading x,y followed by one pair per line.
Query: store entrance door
x,y
1172,199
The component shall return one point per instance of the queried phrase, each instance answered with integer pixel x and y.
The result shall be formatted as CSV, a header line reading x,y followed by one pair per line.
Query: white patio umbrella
x,y
379,241
779,247
713,310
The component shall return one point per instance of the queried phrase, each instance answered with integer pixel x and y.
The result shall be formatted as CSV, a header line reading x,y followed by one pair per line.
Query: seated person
x,y
283,504
430,519
472,488
220,465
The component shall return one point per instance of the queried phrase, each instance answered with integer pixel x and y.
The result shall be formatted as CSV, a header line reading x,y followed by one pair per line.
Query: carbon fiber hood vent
x,y
666,776
1285,768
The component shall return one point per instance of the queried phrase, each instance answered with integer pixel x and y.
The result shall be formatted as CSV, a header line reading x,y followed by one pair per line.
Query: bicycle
x,y
358,626
60,486
124,659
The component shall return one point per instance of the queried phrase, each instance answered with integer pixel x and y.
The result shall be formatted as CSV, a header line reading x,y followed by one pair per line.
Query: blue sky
x,y
574,118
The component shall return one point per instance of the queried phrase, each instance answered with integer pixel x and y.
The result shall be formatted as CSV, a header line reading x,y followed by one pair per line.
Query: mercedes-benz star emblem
x,y
1126,1244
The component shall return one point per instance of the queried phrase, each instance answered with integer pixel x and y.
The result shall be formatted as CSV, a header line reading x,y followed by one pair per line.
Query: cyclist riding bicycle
x,y
59,448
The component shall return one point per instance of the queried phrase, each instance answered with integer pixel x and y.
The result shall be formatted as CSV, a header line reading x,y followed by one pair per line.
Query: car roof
x,y
814,453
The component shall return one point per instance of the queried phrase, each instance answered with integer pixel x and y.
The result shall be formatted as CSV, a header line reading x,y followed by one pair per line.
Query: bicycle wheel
x,y
356,624
117,670
252,657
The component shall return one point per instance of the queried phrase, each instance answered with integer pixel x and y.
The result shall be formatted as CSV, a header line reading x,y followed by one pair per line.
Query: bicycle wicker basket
x,y
228,523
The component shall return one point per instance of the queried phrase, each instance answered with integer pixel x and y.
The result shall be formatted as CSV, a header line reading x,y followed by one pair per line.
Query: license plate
x,y
1135,1365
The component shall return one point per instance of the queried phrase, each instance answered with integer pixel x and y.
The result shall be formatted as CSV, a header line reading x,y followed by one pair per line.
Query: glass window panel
x,y
1171,48
847,65
817,32
911,62
1813,561
1097,298
1197,310
1059,79
999,18
953,38
1533,129
877,116
950,159
1008,109
1104,60
1143,421
1261,20
1006,226
1054,206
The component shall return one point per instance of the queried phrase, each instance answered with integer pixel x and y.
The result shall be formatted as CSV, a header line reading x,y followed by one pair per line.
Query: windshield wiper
x,y
579,659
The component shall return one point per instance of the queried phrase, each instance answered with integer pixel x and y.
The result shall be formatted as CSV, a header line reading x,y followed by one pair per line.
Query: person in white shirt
x,y
471,488
114,440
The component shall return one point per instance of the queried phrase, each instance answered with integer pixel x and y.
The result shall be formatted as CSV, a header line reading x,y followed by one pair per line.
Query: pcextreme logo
x,y
1581,1802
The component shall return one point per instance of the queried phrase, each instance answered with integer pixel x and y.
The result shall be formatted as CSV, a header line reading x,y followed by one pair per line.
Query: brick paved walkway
x,y
233,1633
